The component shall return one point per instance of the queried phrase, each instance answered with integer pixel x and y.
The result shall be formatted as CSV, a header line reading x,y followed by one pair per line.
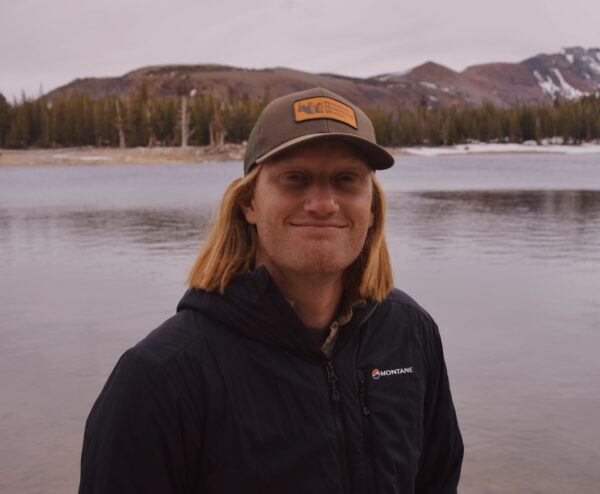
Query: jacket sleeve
x,y
442,453
134,438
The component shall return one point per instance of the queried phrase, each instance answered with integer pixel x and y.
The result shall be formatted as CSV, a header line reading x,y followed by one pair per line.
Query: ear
x,y
249,210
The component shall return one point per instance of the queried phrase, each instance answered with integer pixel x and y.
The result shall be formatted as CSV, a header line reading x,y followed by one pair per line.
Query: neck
x,y
315,298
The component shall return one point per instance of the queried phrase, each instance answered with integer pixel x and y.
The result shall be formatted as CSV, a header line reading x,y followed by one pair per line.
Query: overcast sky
x,y
49,43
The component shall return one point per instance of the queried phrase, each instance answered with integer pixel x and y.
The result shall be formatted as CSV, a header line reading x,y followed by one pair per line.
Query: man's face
x,y
312,209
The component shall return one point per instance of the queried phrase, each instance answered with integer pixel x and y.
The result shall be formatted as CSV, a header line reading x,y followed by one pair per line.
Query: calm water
x,y
504,251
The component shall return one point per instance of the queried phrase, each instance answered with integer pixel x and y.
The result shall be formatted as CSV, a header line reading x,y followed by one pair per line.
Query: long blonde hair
x,y
230,247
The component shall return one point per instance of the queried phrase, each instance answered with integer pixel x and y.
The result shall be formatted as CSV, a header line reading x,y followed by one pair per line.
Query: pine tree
x,y
19,132
200,118
120,124
6,118
382,123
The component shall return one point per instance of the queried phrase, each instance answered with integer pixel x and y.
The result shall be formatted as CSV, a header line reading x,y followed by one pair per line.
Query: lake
x,y
503,251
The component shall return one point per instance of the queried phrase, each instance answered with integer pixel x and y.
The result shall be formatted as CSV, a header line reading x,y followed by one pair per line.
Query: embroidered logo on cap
x,y
324,107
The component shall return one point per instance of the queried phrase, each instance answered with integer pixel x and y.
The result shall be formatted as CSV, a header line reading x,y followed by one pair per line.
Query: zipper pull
x,y
332,378
362,396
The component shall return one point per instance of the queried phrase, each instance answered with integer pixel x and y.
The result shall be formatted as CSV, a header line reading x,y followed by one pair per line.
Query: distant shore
x,y
235,152
119,156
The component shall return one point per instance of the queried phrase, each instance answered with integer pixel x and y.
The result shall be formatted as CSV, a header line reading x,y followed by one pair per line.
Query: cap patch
x,y
324,107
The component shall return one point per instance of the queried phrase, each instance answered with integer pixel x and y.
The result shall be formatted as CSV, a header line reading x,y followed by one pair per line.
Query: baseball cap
x,y
308,115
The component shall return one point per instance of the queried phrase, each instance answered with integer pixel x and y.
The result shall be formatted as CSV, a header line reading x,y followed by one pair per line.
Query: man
x,y
292,365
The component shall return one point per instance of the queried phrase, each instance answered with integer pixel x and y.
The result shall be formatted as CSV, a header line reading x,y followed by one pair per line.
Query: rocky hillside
x,y
570,74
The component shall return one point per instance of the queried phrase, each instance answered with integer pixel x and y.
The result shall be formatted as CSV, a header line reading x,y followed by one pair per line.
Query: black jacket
x,y
231,395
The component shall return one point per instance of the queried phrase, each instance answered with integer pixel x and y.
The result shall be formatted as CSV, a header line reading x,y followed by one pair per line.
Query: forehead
x,y
329,153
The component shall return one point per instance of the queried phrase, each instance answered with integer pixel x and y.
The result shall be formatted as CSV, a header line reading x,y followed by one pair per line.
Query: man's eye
x,y
345,178
294,177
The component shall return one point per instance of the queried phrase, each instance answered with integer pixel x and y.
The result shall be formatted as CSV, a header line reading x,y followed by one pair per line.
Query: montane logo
x,y
378,374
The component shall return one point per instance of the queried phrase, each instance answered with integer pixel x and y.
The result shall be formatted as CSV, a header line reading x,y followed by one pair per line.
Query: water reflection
x,y
153,230
538,224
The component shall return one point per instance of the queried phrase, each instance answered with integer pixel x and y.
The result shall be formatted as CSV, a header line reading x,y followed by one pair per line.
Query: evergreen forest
x,y
77,119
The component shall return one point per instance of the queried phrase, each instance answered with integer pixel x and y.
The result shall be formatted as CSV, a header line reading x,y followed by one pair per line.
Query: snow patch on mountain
x,y
563,88
387,77
592,64
567,90
547,85
429,85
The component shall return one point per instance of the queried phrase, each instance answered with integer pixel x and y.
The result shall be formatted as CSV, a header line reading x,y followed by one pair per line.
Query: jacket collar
x,y
254,306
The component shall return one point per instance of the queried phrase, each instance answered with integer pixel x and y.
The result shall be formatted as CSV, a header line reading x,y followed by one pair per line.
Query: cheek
x,y
365,210
267,224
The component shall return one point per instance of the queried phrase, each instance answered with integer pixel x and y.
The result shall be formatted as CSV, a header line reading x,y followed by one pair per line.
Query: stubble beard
x,y
313,257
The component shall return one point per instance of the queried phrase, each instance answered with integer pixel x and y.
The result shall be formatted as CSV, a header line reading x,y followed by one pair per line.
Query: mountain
x,y
570,74
218,80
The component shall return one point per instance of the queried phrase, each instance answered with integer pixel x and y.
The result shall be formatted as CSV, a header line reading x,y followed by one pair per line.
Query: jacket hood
x,y
254,306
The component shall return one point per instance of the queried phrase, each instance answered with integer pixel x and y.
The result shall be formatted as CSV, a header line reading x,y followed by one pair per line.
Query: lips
x,y
317,225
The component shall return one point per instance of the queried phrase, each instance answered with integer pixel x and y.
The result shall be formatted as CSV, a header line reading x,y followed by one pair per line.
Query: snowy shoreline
x,y
509,148
235,152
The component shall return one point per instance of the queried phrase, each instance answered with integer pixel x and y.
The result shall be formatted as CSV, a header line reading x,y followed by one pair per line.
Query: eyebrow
x,y
350,161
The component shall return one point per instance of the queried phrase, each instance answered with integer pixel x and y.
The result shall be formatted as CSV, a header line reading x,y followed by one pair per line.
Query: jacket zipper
x,y
339,424
365,412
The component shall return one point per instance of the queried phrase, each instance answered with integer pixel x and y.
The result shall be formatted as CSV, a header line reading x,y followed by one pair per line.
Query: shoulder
x,y
407,320
170,365
401,302
184,333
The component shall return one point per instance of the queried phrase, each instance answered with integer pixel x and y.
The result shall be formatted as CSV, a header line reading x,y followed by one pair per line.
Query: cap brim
x,y
377,157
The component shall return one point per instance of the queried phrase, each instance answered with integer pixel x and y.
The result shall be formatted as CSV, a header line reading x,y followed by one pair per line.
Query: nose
x,y
321,199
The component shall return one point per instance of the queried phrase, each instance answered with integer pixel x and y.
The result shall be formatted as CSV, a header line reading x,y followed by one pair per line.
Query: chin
x,y
320,264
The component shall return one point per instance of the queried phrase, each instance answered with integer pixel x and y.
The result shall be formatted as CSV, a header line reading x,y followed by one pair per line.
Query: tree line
x,y
77,119
573,122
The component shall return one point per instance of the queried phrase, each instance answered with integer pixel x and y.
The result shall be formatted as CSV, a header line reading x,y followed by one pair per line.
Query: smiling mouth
x,y
317,225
